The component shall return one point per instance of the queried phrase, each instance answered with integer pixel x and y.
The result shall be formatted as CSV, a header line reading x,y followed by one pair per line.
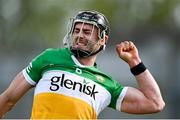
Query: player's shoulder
x,y
56,51
102,73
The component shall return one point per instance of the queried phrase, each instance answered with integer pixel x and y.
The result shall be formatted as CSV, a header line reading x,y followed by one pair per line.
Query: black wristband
x,y
138,69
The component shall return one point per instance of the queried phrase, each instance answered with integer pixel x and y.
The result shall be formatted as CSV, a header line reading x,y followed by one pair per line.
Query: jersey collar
x,y
79,64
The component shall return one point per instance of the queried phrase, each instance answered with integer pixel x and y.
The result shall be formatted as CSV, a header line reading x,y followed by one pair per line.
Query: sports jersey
x,y
67,89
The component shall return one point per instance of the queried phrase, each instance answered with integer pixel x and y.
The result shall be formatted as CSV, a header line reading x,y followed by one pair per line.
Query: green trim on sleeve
x,y
117,89
34,69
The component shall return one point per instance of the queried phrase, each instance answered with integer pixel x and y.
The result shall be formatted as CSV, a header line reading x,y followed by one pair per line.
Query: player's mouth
x,y
80,43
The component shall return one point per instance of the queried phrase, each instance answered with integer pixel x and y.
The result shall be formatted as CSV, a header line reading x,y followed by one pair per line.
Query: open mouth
x,y
81,42
80,45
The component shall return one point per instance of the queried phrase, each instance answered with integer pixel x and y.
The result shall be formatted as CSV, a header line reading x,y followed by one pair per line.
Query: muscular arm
x,y
147,98
13,93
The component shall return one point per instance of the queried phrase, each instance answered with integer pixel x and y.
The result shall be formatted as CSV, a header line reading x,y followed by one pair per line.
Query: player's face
x,y
85,37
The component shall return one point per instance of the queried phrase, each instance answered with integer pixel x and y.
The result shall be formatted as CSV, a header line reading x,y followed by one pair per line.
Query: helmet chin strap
x,y
84,53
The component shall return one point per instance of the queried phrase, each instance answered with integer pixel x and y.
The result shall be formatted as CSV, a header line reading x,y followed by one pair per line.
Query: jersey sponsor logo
x,y
85,87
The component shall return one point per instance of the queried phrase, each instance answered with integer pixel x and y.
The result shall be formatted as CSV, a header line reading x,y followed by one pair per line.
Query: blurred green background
x,y
27,27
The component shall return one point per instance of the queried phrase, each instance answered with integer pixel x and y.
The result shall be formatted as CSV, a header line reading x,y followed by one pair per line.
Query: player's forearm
x,y
150,88
5,105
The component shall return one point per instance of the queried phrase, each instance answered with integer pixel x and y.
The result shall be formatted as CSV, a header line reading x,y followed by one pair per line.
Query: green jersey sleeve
x,y
117,95
32,72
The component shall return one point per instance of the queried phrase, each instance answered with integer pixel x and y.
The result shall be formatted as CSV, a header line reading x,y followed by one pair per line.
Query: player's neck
x,y
87,61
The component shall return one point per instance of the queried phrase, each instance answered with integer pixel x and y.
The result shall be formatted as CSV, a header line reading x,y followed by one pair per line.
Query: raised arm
x,y
147,97
13,93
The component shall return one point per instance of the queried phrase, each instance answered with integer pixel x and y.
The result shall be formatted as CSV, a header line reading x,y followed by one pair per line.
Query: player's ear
x,y
104,40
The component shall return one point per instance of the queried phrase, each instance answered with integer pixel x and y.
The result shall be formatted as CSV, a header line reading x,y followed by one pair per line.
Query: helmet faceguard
x,y
87,17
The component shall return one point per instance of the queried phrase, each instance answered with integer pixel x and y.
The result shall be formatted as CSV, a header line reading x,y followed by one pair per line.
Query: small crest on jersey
x,y
100,78
51,64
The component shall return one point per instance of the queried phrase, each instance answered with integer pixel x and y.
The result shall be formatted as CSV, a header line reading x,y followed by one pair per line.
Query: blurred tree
x,y
42,22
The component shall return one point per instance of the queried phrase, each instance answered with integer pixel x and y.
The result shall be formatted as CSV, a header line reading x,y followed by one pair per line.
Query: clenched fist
x,y
128,52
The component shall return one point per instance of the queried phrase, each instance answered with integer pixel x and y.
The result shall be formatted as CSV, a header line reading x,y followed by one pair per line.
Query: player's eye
x,y
76,30
87,32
